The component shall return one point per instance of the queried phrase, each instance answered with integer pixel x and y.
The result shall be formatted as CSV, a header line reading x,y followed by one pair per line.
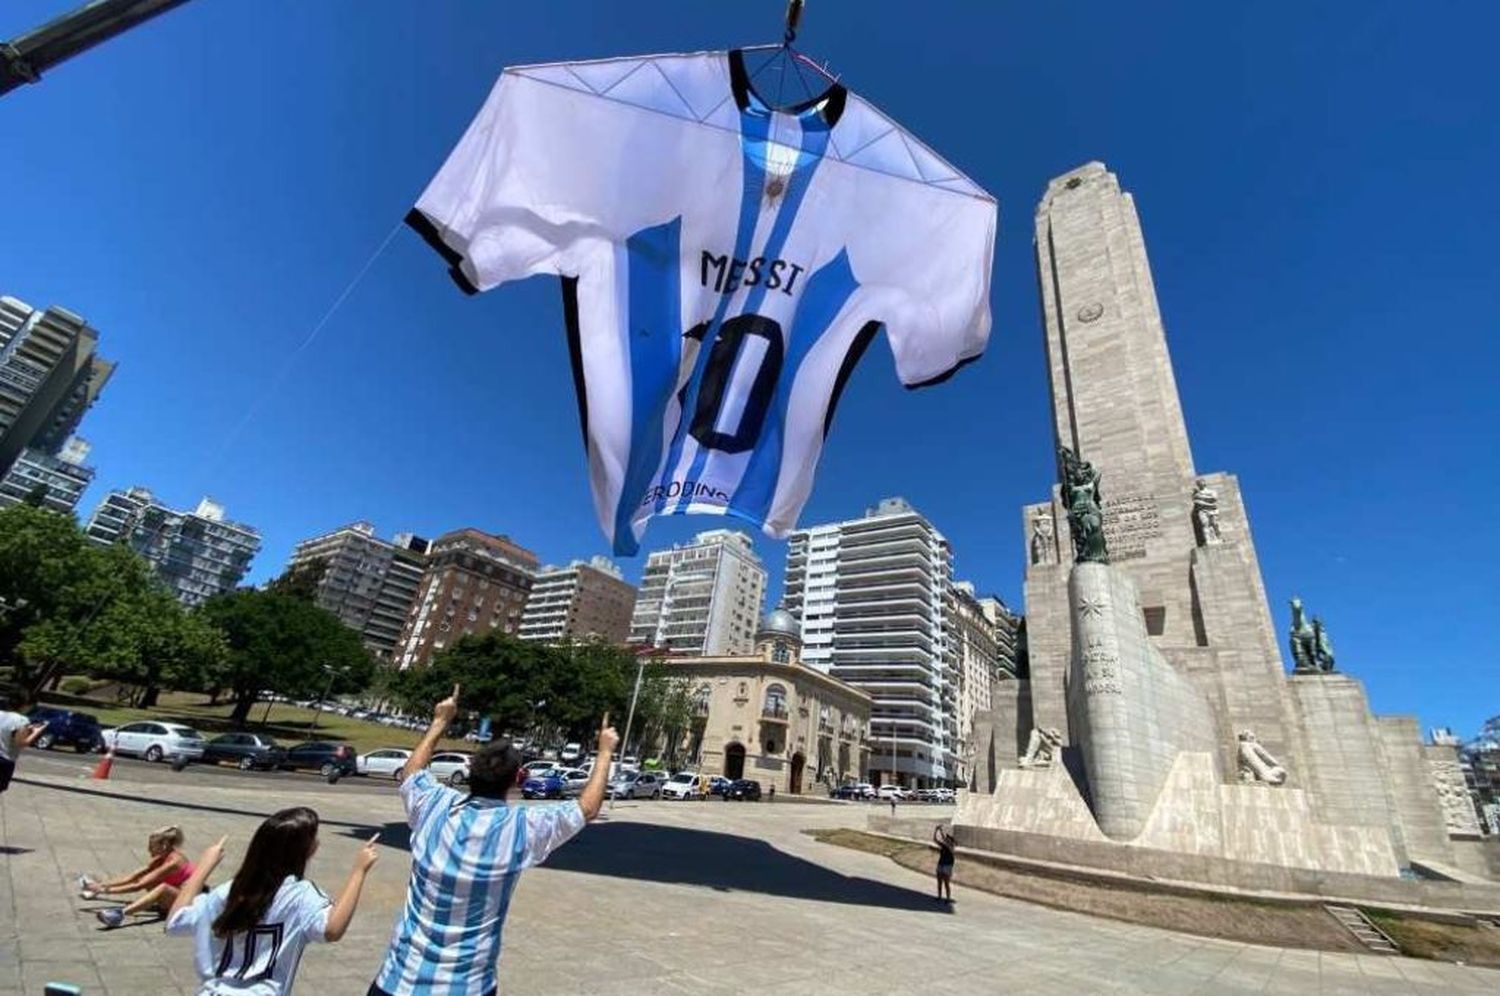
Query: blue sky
x,y
1317,185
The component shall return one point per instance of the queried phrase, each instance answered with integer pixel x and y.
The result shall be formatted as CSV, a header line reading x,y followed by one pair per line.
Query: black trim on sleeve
x,y
934,381
851,360
575,352
423,226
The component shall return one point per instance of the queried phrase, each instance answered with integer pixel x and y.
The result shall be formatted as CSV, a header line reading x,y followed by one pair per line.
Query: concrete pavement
x,y
712,898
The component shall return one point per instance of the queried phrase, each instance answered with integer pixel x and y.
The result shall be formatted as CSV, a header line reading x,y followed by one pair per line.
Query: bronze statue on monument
x,y
1085,502
1312,650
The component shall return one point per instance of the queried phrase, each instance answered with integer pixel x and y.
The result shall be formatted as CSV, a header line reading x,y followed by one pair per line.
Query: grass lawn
x,y
288,724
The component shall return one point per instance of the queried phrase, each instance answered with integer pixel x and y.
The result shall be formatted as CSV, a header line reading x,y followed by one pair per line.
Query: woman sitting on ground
x,y
159,881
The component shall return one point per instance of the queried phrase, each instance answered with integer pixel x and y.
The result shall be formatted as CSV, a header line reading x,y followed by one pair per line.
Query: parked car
x,y
719,785
925,795
65,727
888,792
245,750
642,785
685,785
549,784
944,795
537,767
744,789
451,767
571,754
849,791
387,762
155,741
322,756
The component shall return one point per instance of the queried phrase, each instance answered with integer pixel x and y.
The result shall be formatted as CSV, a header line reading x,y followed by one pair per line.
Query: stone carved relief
x,y
1043,545
1453,793
1206,514
1257,764
1042,748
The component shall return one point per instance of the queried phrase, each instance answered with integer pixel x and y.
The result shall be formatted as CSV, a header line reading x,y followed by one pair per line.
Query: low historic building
x,y
769,717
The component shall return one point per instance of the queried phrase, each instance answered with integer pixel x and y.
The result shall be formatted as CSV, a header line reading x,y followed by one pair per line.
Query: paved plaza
x,y
708,898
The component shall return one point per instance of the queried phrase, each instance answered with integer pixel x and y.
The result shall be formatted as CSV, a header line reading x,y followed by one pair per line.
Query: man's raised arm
x,y
591,799
442,716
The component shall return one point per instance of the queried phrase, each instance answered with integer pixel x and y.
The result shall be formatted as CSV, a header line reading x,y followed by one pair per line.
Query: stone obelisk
x,y
1115,403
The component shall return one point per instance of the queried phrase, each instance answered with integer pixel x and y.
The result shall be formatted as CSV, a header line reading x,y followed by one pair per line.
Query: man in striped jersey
x,y
467,853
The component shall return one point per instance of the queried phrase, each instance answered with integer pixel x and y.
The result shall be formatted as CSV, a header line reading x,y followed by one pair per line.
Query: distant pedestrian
x,y
773,794
944,841
16,734
893,804
467,851
248,936
166,871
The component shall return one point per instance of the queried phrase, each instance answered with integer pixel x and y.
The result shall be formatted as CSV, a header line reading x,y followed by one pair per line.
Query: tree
x,y
276,641
522,686
37,496
67,603
301,581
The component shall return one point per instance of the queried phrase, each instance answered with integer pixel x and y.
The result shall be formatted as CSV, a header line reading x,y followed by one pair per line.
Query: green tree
x,y
301,581
276,641
66,603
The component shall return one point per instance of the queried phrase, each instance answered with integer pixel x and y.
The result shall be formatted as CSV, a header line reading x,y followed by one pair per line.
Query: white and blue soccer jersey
x,y
467,853
724,266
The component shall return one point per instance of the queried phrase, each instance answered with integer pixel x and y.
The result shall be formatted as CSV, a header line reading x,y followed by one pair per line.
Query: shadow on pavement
x,y
722,861
175,804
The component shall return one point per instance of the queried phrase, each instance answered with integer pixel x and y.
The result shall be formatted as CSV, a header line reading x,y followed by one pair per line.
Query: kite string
x,y
285,370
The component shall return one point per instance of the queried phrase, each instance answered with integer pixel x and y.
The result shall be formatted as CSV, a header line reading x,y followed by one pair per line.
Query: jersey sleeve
x,y
420,793
203,910
933,295
542,170
548,828
311,910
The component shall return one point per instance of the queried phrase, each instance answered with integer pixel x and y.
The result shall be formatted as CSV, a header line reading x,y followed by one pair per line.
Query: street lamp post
x,y
640,669
333,673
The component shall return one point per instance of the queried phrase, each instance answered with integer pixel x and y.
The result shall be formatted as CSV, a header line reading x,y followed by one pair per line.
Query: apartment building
x,y
368,582
474,582
49,376
60,480
872,597
585,600
199,554
702,597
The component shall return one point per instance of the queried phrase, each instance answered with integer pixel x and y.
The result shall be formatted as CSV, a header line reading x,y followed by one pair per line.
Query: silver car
x,y
155,741
645,785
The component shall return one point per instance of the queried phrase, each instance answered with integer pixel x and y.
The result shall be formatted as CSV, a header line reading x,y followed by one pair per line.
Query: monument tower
x,y
1157,718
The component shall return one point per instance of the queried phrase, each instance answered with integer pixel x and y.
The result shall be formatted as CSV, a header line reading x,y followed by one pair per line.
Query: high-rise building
x,y
981,643
368,582
585,600
702,597
871,595
473,583
199,554
60,479
49,376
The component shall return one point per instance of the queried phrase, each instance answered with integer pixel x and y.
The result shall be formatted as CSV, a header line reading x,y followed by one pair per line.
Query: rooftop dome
x,y
780,622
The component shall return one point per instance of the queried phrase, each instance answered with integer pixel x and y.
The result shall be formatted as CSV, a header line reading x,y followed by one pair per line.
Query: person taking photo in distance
x,y
248,936
16,734
467,853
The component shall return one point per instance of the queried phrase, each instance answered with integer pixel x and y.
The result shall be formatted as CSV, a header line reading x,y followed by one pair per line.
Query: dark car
x,y
547,785
246,750
323,756
743,789
78,730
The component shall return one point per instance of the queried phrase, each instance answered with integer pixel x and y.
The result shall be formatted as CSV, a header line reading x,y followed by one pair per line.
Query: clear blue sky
x,y
1318,185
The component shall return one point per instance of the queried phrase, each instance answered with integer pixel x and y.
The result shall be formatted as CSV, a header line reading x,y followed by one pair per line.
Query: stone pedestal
x,y
1129,711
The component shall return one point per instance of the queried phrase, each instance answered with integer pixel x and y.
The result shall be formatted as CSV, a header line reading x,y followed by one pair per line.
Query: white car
x,y
387,762
889,792
155,741
451,767
536,768
571,754
683,785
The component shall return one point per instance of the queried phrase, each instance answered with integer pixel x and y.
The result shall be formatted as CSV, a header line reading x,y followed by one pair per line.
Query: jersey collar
x,y
826,107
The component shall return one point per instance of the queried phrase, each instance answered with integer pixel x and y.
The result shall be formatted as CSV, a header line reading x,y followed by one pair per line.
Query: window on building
x,y
781,653
776,700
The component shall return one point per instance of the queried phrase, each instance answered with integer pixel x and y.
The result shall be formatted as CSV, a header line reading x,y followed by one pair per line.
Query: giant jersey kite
x,y
724,265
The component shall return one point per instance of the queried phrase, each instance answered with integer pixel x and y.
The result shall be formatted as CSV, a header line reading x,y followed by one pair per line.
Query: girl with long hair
x,y
248,936
165,872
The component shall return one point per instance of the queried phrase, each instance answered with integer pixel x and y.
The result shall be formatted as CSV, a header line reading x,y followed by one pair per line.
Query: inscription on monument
x,y
1129,521
1101,668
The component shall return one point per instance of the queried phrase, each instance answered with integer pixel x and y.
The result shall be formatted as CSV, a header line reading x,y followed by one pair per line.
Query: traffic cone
x,y
101,770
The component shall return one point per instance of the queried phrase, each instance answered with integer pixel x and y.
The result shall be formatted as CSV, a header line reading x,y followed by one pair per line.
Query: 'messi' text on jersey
x,y
726,274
